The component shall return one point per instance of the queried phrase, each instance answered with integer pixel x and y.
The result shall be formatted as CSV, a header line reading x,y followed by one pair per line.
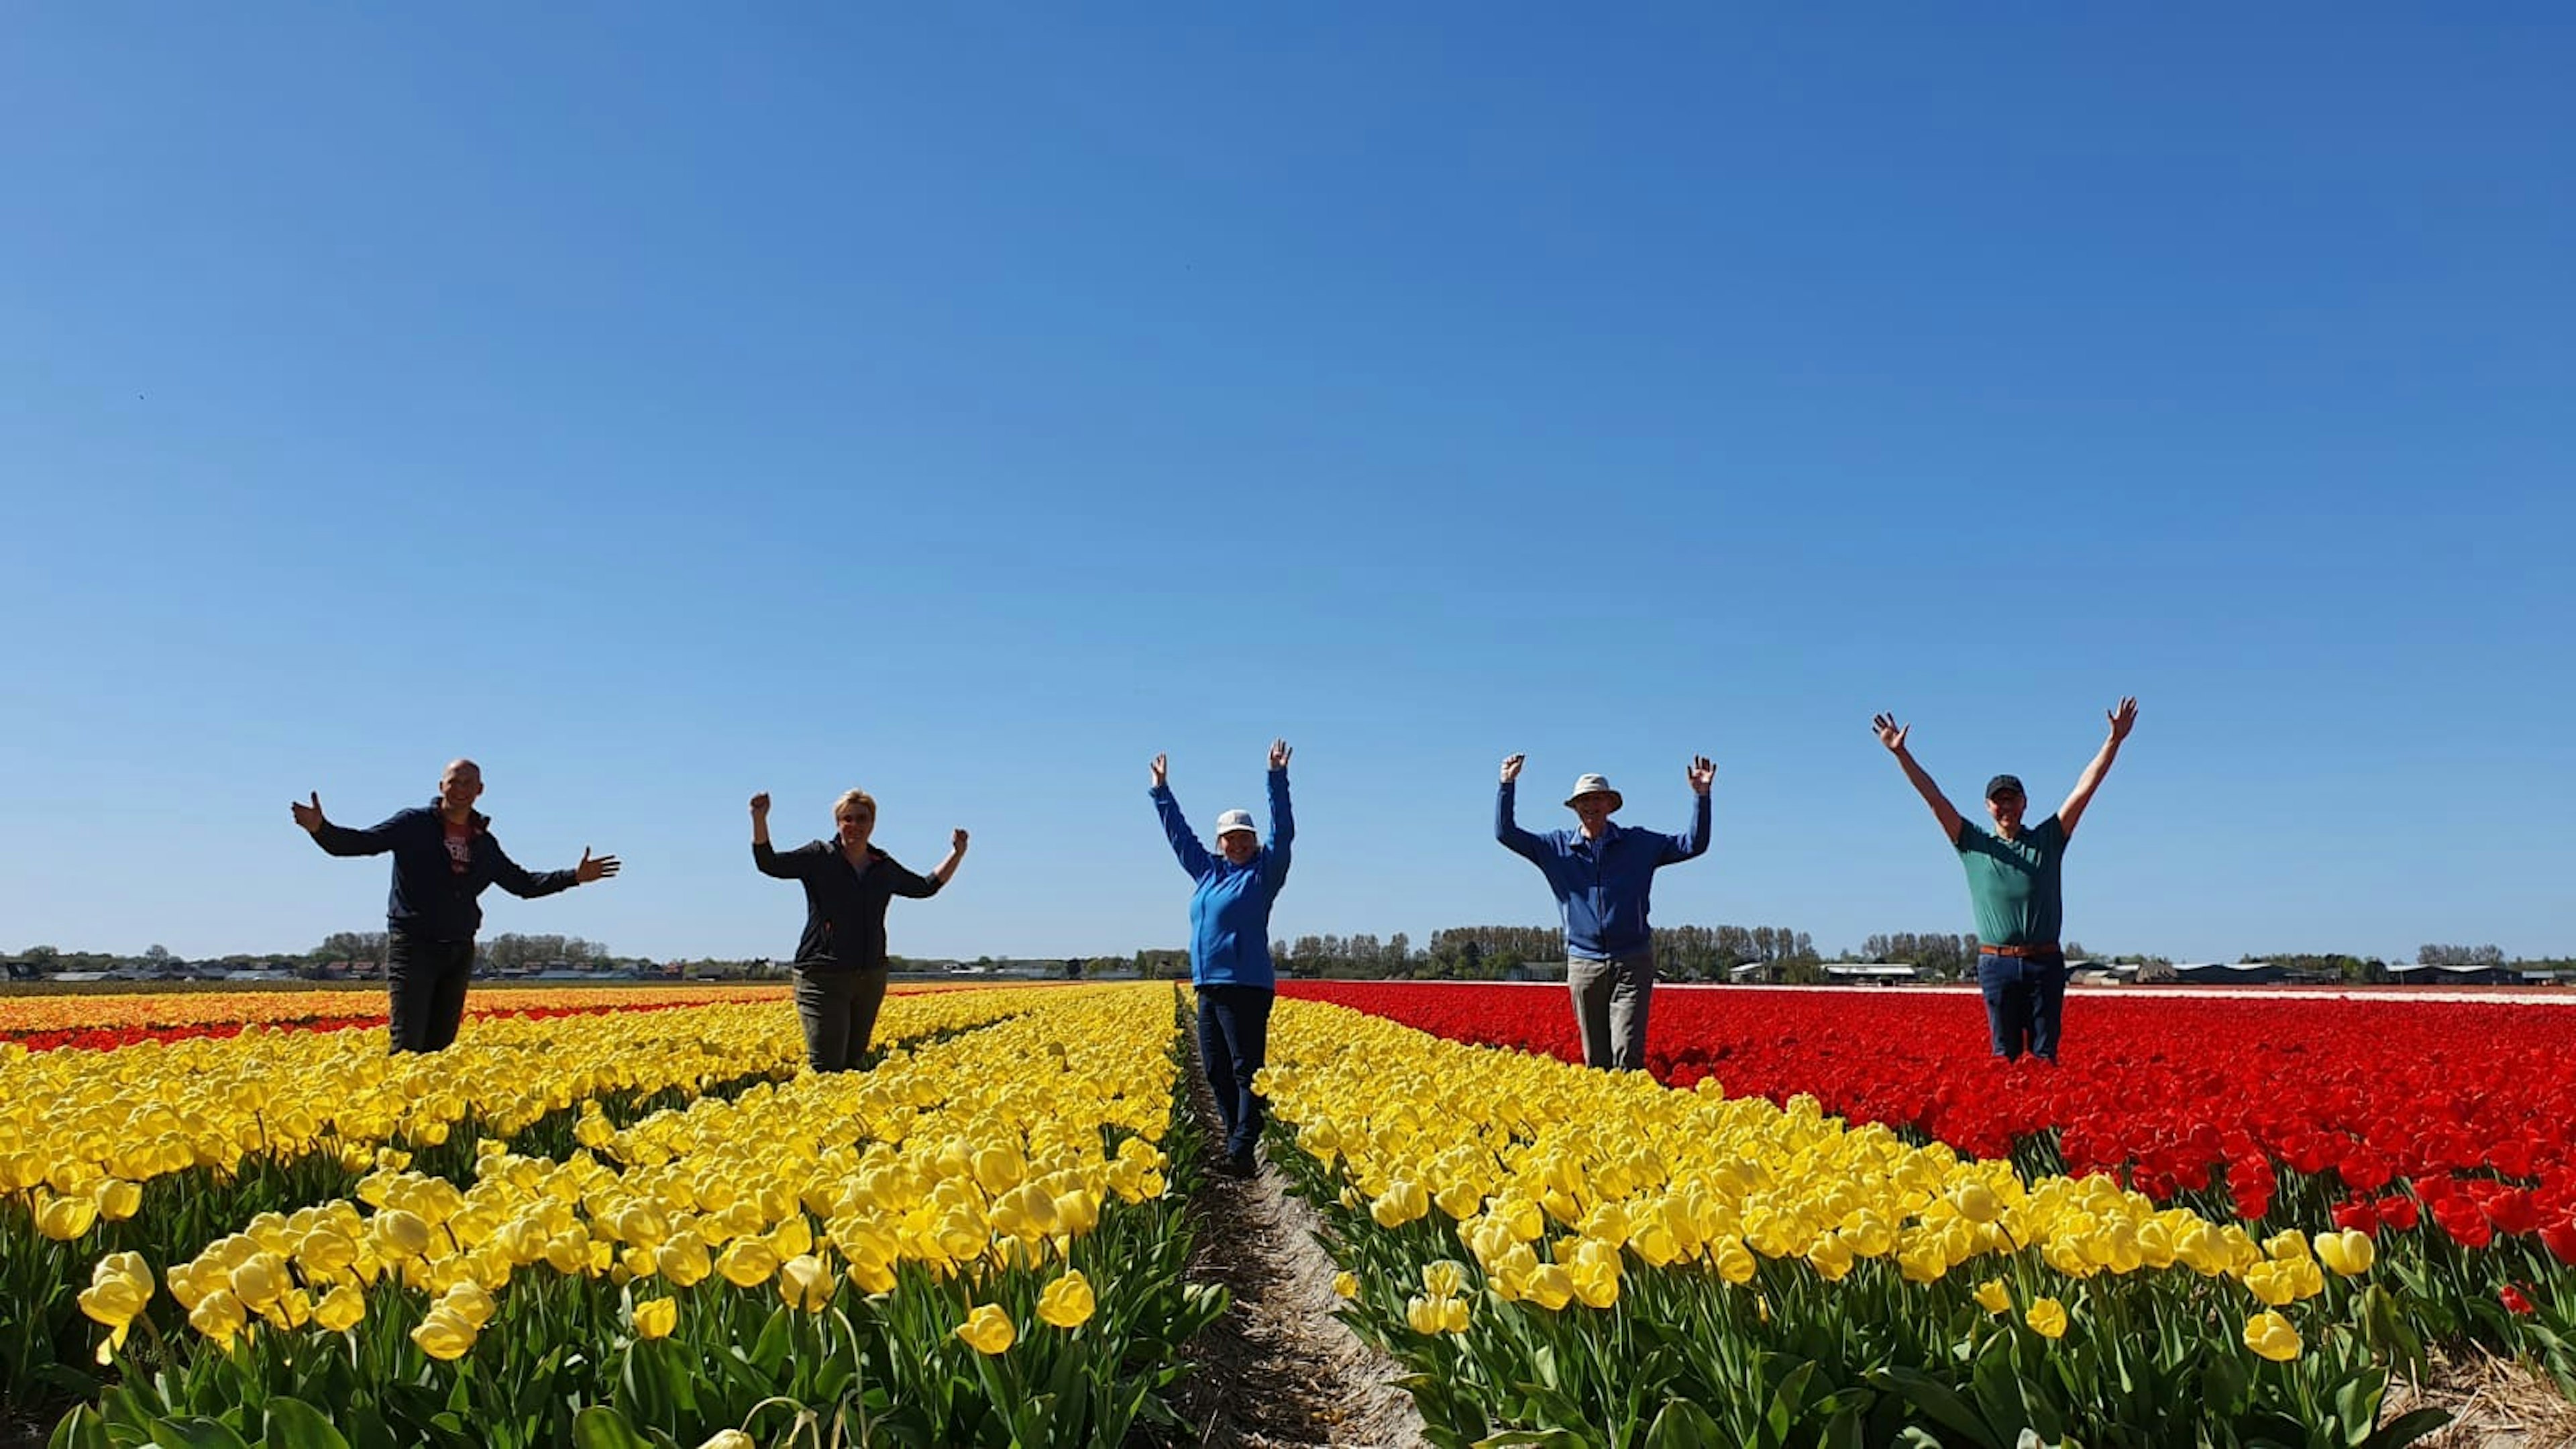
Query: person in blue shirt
x,y
1601,874
1230,946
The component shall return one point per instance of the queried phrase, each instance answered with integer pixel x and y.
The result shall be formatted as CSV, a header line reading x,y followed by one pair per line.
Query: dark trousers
x,y
2025,997
425,981
839,1010
1234,1040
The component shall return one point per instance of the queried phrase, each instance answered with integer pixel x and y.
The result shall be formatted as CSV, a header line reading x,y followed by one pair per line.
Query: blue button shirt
x,y
1602,885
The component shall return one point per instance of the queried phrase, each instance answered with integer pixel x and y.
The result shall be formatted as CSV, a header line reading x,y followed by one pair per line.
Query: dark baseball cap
x,y
2005,785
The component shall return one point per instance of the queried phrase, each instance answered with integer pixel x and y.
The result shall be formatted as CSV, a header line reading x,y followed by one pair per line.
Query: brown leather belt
x,y
2048,950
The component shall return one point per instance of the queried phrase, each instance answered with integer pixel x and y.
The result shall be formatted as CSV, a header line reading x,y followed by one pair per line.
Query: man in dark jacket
x,y
444,857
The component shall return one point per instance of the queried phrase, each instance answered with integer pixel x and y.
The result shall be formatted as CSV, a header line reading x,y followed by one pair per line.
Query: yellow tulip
x,y
1550,1287
1994,1297
729,1439
682,1258
1830,1256
1444,1278
2269,1334
117,1198
2348,1252
1401,1203
656,1317
988,1330
1346,1285
120,1288
444,1334
219,1316
341,1308
747,1263
402,1234
258,1281
2047,1318
468,1301
1068,1301
65,1218
806,1282
1975,1201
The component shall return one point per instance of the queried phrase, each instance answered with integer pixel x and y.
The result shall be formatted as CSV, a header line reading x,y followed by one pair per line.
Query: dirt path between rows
x,y
1279,1369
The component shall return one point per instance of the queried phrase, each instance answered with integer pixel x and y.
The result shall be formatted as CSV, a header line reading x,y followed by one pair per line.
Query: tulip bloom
x,y
2269,1334
1993,1296
988,1330
2047,1318
656,1317
1068,1301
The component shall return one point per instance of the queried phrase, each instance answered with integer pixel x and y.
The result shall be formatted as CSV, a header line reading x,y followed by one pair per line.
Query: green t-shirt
x,y
2012,884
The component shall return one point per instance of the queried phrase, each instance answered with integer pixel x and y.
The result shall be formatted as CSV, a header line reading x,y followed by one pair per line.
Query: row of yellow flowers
x,y
990,1148
79,1130
1555,1178
27,1015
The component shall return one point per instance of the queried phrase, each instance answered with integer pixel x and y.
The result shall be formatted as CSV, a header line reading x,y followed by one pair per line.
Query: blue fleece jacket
x,y
1230,910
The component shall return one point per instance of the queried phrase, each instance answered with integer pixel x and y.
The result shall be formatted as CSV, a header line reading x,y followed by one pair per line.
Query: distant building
x,y
1871,973
2229,973
2417,974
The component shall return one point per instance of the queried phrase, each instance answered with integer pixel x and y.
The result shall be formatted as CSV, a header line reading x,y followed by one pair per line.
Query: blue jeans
x,y
2025,997
1234,1040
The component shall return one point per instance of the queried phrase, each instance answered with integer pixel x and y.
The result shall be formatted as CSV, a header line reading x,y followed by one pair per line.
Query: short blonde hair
x,y
854,797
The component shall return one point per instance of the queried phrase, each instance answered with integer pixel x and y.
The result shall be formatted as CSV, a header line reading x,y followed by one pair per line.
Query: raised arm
x,y
789,866
1694,841
1193,856
920,887
1892,735
1283,824
340,839
1506,829
2123,716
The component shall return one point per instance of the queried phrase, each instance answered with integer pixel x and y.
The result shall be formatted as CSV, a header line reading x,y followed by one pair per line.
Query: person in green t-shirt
x,y
2013,888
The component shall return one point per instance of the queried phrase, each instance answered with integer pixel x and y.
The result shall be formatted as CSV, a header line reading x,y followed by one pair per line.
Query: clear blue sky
x,y
661,403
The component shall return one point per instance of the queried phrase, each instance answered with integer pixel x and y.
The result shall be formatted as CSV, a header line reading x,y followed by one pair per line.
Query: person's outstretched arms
x,y
519,881
340,839
1892,735
1283,824
1701,773
2123,716
1193,856
1507,829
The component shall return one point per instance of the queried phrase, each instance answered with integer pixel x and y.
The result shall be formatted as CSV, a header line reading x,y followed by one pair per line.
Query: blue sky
x,y
968,402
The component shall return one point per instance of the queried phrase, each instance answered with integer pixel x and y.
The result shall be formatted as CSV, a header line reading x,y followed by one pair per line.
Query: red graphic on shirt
x,y
460,847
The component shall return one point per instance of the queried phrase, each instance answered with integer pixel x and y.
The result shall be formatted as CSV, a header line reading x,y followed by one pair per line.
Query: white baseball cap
x,y
1232,821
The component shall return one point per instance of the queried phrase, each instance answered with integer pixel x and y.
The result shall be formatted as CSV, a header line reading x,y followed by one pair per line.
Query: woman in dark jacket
x,y
841,957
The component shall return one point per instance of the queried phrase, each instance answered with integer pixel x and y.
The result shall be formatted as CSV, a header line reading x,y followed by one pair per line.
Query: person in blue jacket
x,y
1230,946
444,858
1602,875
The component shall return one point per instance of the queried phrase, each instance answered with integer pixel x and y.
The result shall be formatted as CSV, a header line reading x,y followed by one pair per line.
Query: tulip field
x,y
623,1219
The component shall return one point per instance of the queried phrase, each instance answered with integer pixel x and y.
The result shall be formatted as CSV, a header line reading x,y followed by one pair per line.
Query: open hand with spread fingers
x,y
1279,753
1702,773
1890,733
2123,717
593,867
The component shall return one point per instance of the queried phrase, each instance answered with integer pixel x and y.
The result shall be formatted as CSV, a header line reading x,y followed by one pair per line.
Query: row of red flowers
x,y
2463,1112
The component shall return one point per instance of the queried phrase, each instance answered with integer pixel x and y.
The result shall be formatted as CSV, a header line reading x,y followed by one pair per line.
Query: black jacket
x,y
430,901
844,908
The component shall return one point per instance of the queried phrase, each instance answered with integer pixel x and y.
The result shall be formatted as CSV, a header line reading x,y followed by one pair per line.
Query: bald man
x,y
444,857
